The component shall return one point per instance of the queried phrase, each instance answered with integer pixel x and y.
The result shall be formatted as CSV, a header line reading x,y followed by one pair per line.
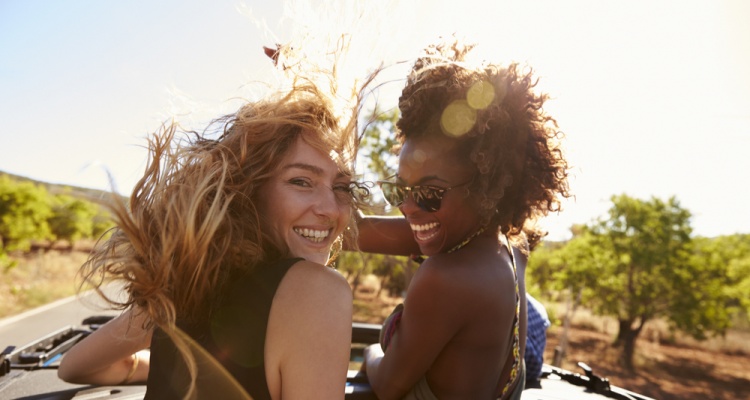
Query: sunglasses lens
x,y
428,198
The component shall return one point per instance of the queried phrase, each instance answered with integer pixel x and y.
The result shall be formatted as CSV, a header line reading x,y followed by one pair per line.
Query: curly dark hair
x,y
499,121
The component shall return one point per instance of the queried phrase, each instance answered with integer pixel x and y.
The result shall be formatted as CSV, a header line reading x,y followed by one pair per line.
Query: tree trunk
x,y
561,349
624,326
358,274
383,283
356,281
626,337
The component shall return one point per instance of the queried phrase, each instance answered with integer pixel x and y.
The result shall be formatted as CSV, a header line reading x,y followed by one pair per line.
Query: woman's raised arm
x,y
386,235
111,355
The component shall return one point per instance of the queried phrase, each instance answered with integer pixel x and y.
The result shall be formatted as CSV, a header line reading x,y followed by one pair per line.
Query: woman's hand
x,y
371,352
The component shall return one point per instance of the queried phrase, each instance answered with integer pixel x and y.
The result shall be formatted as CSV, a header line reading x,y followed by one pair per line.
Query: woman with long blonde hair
x,y
223,250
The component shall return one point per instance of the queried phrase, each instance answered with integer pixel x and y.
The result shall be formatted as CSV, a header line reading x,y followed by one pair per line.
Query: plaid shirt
x,y
536,338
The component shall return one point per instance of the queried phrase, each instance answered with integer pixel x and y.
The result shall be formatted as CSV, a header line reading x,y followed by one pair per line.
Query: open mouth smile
x,y
425,232
313,235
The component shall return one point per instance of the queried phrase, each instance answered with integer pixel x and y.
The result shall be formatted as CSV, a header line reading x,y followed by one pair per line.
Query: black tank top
x,y
235,337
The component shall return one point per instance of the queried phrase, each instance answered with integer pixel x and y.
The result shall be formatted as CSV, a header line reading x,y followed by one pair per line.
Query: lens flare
x,y
480,95
458,118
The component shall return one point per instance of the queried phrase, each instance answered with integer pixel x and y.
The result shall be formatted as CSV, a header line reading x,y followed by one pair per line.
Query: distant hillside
x,y
55,188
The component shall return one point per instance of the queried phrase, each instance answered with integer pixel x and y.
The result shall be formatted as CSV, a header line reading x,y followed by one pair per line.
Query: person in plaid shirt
x,y
536,340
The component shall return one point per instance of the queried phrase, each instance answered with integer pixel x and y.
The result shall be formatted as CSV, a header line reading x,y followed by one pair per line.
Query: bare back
x,y
456,329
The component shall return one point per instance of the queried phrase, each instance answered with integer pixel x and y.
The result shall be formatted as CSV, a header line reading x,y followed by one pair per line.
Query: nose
x,y
326,203
409,205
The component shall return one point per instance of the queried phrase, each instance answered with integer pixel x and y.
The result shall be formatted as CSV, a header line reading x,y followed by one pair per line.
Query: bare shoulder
x,y
313,290
312,296
311,279
465,280
468,269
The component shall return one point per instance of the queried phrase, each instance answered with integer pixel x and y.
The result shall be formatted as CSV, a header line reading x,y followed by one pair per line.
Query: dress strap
x,y
506,242
516,368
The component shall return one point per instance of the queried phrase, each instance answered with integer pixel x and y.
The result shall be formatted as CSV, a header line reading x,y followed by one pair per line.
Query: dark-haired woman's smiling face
x,y
437,161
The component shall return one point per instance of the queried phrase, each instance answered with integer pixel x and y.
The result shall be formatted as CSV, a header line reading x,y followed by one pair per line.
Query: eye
x,y
343,193
343,187
301,182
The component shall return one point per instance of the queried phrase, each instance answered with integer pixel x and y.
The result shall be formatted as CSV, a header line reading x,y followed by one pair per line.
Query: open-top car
x,y
29,372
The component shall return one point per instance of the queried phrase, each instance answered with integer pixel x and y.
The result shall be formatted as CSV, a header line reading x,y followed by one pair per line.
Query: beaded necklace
x,y
466,241
420,258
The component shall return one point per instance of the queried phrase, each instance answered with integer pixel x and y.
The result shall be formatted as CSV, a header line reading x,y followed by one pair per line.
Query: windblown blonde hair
x,y
193,217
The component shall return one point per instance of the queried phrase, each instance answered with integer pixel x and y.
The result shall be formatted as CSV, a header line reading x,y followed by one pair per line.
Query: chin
x,y
318,254
314,257
432,246
428,250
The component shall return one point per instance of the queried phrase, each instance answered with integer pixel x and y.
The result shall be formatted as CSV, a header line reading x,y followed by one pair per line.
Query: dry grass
x,y
39,278
735,341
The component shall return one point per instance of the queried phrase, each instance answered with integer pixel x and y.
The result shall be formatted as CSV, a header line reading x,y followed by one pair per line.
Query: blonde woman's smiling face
x,y
307,203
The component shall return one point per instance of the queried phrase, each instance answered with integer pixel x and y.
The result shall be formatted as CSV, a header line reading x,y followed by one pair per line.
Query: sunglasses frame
x,y
437,192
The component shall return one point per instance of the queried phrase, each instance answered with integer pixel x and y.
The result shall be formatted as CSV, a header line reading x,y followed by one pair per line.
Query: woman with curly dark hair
x,y
479,163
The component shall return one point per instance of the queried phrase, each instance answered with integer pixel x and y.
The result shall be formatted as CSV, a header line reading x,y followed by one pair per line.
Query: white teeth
x,y
424,227
312,234
425,232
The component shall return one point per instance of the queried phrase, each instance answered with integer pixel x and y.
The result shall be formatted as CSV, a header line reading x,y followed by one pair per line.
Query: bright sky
x,y
653,96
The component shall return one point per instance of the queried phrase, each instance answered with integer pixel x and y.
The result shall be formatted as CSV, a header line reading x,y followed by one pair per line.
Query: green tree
x,y
378,142
637,265
352,265
102,222
540,268
544,269
564,269
5,261
728,260
24,210
72,218
394,273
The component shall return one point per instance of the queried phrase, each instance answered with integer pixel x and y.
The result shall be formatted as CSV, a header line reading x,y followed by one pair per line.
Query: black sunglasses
x,y
428,198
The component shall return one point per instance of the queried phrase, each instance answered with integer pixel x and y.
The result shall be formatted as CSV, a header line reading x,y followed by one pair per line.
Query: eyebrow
x,y
307,167
423,179
314,169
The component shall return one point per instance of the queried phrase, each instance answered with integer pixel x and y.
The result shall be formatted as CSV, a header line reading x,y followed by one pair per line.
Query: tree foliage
x,y
727,259
72,218
24,210
393,272
640,263
544,268
378,142
28,212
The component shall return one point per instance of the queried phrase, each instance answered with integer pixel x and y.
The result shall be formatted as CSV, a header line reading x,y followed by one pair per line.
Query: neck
x,y
466,241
